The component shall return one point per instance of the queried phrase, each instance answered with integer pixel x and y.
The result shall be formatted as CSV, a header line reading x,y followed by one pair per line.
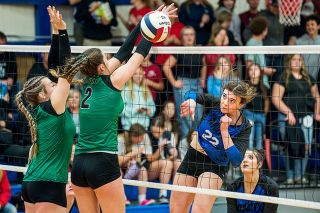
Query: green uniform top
x,y
100,107
55,139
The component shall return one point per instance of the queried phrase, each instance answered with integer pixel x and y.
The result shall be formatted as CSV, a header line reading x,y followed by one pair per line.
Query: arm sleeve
x,y
231,202
272,190
206,100
125,50
5,189
53,58
235,153
64,47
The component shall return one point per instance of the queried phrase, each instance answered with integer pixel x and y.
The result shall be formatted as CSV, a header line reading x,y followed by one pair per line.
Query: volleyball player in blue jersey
x,y
221,137
253,182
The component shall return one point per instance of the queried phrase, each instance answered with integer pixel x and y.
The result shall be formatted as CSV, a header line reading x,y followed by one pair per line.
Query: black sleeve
x,y
48,108
207,100
241,141
272,190
231,202
53,59
114,21
106,79
313,80
280,80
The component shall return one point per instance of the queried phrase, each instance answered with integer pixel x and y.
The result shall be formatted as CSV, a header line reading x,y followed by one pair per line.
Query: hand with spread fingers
x,y
168,10
56,20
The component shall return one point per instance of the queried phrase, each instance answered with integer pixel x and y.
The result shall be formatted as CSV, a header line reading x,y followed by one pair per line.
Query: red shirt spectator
x,y
5,192
173,39
137,15
152,72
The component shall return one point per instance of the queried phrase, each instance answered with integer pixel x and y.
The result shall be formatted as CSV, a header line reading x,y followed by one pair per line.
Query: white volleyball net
x,y
297,175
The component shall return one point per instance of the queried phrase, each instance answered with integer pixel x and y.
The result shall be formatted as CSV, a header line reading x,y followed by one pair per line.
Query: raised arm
x,y
60,93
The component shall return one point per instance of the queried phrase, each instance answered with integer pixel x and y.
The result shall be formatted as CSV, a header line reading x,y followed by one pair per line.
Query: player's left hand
x,y
168,10
187,108
225,121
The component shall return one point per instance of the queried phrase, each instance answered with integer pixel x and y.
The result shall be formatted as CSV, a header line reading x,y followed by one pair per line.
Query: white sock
x,y
163,192
142,198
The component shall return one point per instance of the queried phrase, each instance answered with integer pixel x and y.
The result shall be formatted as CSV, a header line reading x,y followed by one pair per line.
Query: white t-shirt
x,y
171,142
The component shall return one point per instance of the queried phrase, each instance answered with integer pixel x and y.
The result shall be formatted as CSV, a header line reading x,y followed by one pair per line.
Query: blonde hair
x,y
30,92
287,70
145,90
134,131
230,70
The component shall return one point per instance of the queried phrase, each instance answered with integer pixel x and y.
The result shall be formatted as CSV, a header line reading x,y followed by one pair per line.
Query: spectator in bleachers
x,y
200,15
219,37
222,74
140,8
8,65
74,108
5,194
258,108
259,28
228,5
39,69
253,182
311,38
296,95
98,17
173,38
153,79
247,16
165,154
78,23
170,120
190,74
6,119
139,106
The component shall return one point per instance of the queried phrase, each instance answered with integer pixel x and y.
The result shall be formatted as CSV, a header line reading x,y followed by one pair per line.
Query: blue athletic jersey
x,y
209,134
265,186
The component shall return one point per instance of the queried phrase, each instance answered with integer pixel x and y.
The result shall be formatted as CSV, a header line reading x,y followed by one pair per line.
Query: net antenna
x,y
289,12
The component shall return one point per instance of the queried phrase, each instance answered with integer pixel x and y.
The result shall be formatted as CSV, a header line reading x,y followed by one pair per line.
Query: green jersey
x,y
101,105
55,139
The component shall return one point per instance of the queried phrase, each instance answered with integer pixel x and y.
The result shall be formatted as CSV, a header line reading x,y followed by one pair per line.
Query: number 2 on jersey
x,y
88,93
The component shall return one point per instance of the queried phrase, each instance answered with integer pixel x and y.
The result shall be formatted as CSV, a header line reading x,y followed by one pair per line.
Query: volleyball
x,y
155,26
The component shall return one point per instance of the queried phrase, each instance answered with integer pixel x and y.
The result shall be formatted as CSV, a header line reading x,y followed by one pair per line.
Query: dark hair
x,y
242,90
262,87
3,36
220,3
259,153
136,130
258,25
313,18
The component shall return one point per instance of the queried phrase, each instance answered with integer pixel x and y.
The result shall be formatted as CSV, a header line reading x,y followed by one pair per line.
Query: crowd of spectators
x,y
153,138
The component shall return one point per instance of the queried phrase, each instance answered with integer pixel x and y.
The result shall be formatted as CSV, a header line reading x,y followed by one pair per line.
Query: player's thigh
x,y
86,199
49,208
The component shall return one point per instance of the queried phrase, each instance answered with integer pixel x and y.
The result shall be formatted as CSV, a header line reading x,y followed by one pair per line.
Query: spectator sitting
x,y
135,153
311,38
200,15
258,108
223,74
8,65
259,29
5,194
139,106
295,94
234,27
253,182
219,37
247,16
39,68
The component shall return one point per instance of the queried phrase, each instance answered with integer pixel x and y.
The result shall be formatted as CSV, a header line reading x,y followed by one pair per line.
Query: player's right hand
x,y
188,108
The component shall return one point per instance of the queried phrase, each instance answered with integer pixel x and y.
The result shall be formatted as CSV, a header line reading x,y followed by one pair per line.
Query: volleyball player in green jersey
x,y
95,173
51,126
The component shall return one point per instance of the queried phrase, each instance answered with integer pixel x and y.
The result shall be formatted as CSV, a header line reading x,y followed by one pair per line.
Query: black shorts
x,y
95,169
44,191
195,163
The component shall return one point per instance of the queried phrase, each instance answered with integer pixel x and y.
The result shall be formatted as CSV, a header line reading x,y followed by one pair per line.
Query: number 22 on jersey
x,y
211,139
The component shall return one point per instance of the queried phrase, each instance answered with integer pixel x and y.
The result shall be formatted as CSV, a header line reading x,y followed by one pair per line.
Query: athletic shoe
x,y
305,180
147,202
289,181
163,200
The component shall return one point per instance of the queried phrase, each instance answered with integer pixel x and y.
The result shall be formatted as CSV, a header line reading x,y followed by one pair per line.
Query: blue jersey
x,y
209,134
265,186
